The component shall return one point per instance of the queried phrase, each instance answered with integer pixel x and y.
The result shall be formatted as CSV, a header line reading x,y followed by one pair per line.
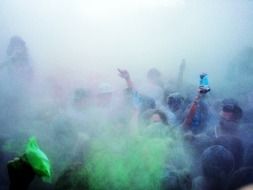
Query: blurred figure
x,y
156,123
79,111
81,99
234,145
176,104
154,86
217,165
154,77
197,114
139,101
21,174
197,144
23,169
16,75
159,117
18,64
176,180
230,117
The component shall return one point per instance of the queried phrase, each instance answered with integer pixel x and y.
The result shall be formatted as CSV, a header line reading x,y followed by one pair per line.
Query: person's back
x,y
230,117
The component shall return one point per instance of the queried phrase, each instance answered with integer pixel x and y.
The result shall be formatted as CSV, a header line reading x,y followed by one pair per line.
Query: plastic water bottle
x,y
203,80
204,83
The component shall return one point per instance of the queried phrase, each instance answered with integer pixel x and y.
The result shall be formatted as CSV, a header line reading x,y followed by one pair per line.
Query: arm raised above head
x,y
125,75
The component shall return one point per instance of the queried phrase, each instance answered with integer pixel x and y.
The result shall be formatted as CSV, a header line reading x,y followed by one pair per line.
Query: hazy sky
x,y
79,37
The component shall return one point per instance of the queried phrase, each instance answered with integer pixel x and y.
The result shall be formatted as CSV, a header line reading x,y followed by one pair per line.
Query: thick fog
x,y
82,37
76,75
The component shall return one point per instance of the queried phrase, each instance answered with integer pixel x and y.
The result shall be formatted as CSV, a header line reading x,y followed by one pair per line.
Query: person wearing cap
x,y
229,120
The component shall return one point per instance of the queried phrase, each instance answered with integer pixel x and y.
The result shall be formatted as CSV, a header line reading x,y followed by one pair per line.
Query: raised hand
x,y
124,74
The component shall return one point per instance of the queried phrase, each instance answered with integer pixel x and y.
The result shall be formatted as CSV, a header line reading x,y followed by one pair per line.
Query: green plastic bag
x,y
38,159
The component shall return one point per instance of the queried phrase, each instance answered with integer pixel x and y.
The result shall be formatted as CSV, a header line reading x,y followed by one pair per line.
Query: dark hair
x,y
175,101
148,114
217,162
162,115
234,145
231,105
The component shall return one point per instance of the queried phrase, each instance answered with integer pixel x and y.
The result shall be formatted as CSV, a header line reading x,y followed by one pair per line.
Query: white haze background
x,y
79,41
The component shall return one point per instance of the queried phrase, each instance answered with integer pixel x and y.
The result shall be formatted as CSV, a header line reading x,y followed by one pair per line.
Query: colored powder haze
x,y
79,39
81,43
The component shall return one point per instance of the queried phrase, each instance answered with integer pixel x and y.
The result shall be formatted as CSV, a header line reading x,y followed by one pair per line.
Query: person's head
x,y
231,110
17,48
159,116
234,145
175,101
154,116
217,163
154,75
230,116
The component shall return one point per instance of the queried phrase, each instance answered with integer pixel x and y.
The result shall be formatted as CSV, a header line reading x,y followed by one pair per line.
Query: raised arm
x,y
125,75
192,110
181,74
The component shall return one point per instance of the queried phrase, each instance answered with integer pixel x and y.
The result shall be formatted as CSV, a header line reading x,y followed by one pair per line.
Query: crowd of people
x,y
165,135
